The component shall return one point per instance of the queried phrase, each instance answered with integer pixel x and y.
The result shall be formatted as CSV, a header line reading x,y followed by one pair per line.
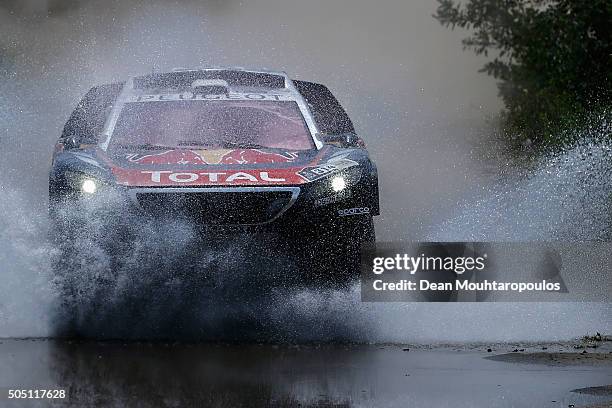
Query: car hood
x,y
206,157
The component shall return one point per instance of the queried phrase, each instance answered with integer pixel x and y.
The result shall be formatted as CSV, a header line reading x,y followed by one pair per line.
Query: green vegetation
x,y
553,59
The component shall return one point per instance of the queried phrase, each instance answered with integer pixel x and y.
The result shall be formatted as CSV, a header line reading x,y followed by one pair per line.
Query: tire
x,y
339,249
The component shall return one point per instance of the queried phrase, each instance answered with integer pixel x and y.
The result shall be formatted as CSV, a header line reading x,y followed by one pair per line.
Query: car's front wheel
x,y
338,249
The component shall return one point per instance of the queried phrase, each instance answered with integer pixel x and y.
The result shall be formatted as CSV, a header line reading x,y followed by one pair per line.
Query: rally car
x,y
225,148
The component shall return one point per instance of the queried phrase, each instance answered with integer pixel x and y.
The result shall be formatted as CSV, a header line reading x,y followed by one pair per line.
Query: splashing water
x,y
25,294
566,197
171,285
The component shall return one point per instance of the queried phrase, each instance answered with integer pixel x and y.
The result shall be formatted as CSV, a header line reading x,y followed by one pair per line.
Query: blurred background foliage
x,y
553,60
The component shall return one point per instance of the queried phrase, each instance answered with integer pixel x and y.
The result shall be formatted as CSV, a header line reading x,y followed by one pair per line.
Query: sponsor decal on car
x,y
353,211
332,165
212,177
332,199
190,176
212,156
190,96
135,177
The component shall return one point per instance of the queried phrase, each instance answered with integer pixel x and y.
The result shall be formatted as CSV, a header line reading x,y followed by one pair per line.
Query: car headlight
x,y
338,183
89,186
82,183
345,178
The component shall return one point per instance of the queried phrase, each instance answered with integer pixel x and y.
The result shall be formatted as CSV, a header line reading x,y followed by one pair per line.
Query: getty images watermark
x,y
475,271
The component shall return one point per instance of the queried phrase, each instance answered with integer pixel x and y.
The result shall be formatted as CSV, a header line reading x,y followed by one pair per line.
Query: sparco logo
x,y
354,211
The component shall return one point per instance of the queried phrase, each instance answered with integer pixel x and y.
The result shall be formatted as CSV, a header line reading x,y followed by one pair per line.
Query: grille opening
x,y
217,207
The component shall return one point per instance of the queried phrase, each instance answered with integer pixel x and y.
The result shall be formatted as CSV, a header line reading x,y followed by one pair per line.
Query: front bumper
x,y
228,206
249,206
246,206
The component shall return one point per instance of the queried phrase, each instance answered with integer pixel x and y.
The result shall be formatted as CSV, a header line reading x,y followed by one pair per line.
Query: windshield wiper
x,y
239,145
193,143
146,146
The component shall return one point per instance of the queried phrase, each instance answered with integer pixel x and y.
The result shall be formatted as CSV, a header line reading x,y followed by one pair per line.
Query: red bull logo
x,y
216,156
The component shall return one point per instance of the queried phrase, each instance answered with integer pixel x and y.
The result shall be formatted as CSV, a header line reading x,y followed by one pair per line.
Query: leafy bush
x,y
553,59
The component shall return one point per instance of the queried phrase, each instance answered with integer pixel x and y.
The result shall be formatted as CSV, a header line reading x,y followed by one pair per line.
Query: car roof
x,y
238,80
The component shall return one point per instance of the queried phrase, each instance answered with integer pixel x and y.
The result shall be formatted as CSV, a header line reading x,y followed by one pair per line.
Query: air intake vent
x,y
242,207
210,86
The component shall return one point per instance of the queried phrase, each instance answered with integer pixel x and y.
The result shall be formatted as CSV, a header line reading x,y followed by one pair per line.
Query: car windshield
x,y
212,124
